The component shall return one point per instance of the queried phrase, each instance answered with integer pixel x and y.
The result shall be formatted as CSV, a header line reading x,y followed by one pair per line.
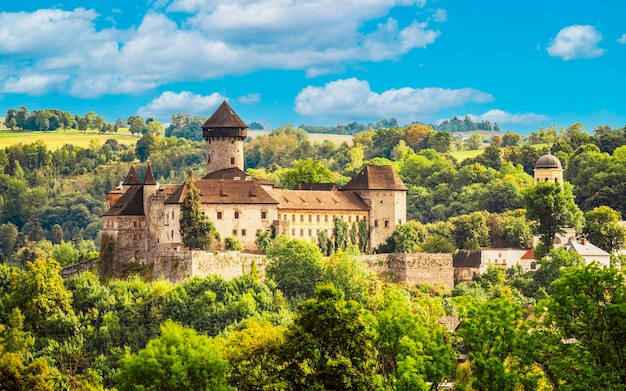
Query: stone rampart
x,y
414,269
176,266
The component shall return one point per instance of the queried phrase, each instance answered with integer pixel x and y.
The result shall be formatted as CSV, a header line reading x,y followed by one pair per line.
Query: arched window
x,y
533,265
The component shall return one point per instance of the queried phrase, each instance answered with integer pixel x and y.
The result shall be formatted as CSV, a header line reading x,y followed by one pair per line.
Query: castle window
x,y
219,215
285,217
236,214
301,232
326,218
234,232
172,235
310,218
293,232
310,232
399,222
293,218
375,223
243,232
134,236
172,214
264,215
533,265
135,223
301,217
232,160
318,218
386,223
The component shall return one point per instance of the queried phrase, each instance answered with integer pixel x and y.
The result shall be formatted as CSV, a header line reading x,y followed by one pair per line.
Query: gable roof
x,y
129,204
224,191
224,117
466,258
227,173
376,178
585,248
318,200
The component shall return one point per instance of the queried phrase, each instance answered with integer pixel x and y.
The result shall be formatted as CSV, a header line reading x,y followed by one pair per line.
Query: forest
x,y
320,322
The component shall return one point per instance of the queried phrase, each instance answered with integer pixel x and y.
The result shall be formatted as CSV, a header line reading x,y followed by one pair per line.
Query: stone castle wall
x,y
413,269
176,266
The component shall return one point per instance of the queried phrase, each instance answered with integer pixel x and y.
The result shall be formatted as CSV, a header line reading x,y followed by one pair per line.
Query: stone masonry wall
x,y
176,266
414,269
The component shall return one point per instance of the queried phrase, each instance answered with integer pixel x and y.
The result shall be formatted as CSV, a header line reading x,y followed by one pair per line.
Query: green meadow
x,y
57,139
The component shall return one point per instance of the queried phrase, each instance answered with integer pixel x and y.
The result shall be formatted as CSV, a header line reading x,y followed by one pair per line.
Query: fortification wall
x,y
176,266
414,269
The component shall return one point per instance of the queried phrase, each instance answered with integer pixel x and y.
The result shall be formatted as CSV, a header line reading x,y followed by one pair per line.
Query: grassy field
x,y
338,139
55,139
462,155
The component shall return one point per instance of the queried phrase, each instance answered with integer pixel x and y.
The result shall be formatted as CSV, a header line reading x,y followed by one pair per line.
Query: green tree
x,y
232,244
179,359
252,354
552,206
296,266
263,239
196,229
475,141
136,127
492,333
580,337
330,346
306,171
406,238
471,231
414,350
39,292
348,275
602,228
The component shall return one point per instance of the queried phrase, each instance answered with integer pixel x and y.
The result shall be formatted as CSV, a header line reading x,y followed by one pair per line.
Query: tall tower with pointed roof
x,y
224,133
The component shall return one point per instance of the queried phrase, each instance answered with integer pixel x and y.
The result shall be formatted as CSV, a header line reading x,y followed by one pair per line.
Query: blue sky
x,y
521,64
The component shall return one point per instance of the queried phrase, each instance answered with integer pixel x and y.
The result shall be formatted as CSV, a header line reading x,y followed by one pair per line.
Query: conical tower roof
x,y
149,178
132,178
224,123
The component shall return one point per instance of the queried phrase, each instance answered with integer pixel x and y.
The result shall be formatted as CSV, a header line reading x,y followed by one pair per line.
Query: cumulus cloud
x,y
576,41
34,84
354,99
195,40
622,39
169,103
503,118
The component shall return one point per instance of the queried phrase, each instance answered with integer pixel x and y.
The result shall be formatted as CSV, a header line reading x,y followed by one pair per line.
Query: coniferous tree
x,y
196,229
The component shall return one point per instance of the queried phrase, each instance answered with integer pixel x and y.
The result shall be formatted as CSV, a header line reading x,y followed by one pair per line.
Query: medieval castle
x,y
142,218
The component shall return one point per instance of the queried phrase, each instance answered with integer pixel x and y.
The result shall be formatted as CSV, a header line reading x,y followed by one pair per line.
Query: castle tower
x,y
385,193
224,133
548,169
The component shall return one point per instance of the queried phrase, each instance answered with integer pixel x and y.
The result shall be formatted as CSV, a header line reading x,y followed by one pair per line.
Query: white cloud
x,y
169,103
353,99
34,84
576,41
440,15
622,39
250,98
503,118
313,36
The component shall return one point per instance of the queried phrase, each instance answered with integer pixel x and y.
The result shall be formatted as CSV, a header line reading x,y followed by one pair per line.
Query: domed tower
x,y
224,133
548,169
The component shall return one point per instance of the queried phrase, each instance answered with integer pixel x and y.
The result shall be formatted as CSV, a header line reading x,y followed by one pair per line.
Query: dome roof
x,y
548,162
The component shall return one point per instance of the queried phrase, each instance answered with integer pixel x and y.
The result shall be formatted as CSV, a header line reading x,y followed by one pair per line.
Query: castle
x,y
142,217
